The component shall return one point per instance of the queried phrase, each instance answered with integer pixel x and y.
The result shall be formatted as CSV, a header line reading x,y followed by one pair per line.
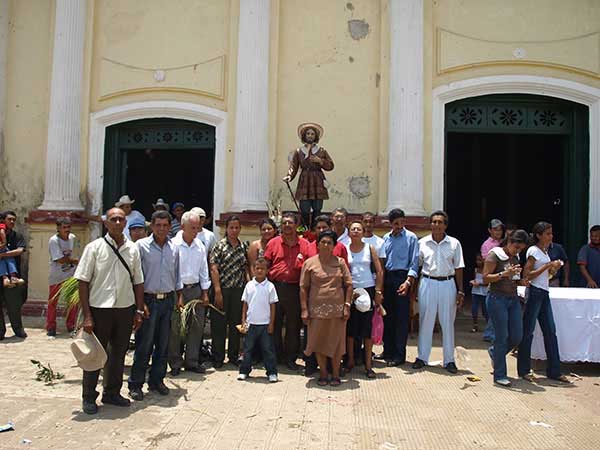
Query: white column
x,y
405,172
64,122
251,159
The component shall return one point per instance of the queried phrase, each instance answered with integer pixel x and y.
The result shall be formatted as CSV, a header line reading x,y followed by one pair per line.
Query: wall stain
x,y
358,28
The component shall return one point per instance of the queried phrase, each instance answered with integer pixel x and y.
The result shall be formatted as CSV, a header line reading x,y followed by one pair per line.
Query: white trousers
x,y
436,298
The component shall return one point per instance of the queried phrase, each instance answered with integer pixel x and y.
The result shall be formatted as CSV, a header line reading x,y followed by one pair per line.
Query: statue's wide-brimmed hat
x,y
304,126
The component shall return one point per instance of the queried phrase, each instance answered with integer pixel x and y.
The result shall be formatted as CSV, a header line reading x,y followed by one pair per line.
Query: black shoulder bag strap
x,y
114,249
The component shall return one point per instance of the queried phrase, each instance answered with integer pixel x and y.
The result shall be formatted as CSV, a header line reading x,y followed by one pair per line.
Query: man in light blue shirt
x,y
162,284
401,248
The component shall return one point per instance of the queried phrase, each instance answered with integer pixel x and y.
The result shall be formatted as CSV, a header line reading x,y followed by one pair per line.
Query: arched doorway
x,y
520,158
173,159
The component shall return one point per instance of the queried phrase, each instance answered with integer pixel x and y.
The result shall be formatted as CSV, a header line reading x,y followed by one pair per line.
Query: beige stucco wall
x,y
27,95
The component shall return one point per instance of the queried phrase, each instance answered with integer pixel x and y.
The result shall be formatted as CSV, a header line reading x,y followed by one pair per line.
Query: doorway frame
x,y
514,84
100,120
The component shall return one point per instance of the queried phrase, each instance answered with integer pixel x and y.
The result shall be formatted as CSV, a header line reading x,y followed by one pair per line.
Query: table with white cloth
x,y
577,317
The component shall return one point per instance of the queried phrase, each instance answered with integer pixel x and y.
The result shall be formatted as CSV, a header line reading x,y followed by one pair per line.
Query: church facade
x,y
425,104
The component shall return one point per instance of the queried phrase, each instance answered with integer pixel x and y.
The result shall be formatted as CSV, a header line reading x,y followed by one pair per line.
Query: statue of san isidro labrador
x,y
312,161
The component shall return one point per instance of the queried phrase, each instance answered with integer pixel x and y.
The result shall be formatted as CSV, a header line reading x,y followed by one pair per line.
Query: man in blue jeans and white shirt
x,y
162,288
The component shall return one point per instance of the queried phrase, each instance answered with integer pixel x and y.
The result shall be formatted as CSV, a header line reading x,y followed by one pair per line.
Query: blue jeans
x,y
8,266
505,314
395,323
539,308
258,337
476,300
152,338
488,333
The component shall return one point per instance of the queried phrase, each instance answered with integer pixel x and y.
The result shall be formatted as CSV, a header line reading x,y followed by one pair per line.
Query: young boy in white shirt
x,y
258,313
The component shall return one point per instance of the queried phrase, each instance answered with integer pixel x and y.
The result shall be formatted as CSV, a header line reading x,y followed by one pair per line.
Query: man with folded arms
x,y
110,305
162,289
193,268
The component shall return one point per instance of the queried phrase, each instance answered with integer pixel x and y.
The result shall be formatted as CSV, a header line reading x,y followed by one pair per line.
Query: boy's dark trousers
x,y
259,337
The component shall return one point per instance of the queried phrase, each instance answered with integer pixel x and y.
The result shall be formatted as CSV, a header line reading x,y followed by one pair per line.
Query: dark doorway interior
x,y
517,178
160,158
174,175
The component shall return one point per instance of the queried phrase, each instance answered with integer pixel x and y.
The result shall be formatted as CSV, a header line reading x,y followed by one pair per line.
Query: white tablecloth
x,y
577,317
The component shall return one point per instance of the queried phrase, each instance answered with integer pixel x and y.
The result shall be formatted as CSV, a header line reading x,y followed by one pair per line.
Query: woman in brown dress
x,y
325,299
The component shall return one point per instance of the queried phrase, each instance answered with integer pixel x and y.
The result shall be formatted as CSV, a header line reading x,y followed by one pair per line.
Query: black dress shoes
x,y
160,388
418,364
115,399
89,407
451,367
175,371
136,394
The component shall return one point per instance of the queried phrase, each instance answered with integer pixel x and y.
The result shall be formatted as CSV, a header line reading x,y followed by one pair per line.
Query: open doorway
x,y
516,178
521,159
160,158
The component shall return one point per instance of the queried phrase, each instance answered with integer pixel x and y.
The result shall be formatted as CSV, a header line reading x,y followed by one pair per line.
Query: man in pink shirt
x,y
496,230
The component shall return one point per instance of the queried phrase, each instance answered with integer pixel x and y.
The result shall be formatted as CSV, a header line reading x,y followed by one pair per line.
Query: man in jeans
x,y
108,302
286,254
162,289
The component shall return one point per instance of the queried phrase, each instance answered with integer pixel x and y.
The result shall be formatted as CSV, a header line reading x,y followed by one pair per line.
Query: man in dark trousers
x,y
111,294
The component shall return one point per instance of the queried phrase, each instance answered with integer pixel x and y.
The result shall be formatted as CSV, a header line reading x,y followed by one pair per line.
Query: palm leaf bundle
x,y
187,314
68,294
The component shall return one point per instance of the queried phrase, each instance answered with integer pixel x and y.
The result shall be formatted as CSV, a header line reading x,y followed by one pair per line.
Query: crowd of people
x,y
286,296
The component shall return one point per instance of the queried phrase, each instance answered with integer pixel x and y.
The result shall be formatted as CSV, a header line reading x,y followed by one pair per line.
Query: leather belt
x,y
158,296
187,286
450,277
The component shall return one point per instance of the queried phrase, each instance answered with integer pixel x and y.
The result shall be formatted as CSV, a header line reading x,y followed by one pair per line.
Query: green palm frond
x,y
68,294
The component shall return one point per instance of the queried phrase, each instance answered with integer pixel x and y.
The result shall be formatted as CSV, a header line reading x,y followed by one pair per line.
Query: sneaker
x,y
243,376
272,378
136,394
51,333
504,382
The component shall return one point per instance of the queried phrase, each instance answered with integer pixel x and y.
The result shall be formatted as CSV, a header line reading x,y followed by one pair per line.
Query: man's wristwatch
x,y
140,312
379,292
348,304
461,293
408,282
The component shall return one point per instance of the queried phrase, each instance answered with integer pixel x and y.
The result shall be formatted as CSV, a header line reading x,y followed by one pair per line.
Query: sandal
x,y
322,382
370,373
335,382
563,379
530,377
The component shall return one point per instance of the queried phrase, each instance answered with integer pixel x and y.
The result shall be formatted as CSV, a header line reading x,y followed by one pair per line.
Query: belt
x,y
187,286
400,271
158,295
450,277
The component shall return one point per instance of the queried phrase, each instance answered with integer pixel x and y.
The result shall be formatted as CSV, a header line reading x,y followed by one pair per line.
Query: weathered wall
x,y
27,96
328,73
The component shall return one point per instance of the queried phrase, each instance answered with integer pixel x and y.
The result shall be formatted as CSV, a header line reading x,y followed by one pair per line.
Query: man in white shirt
x,y
62,267
368,221
193,268
440,289
207,237
111,297
338,222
